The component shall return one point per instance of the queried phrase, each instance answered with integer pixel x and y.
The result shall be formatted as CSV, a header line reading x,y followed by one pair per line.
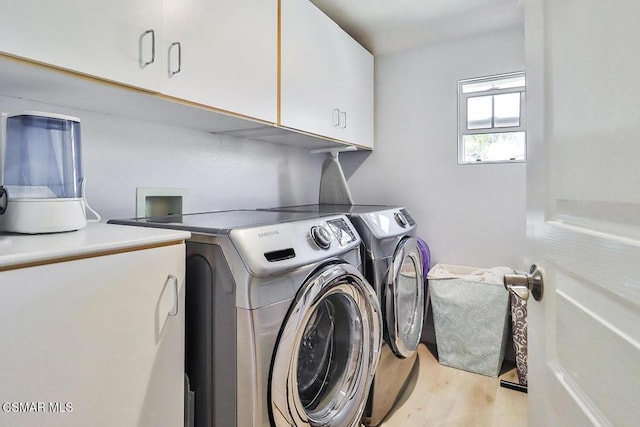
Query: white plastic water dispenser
x,y
41,174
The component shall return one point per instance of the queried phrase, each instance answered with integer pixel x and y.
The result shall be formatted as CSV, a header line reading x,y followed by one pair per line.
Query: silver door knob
x,y
522,284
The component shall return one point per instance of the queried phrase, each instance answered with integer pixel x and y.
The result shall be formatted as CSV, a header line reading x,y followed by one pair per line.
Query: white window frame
x,y
462,115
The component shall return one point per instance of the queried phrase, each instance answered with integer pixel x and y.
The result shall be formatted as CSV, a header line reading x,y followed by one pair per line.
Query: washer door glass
x,y
404,299
327,351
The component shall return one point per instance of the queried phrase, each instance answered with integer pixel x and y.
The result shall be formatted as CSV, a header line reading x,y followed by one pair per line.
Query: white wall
x,y
220,172
468,214
472,214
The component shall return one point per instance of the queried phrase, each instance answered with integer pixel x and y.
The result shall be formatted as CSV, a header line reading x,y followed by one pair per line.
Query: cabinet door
x,y
228,54
106,39
357,73
91,342
326,76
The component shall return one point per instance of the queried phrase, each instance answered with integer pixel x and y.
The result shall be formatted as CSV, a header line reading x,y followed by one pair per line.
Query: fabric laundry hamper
x,y
471,317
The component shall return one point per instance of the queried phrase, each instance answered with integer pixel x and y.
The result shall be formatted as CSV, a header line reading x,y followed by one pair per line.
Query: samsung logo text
x,y
268,234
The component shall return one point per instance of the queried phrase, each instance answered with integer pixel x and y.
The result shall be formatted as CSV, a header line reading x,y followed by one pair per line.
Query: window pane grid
x,y
492,119
496,111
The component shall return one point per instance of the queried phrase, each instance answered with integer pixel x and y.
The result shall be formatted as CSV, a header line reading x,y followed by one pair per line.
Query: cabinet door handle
x,y
153,48
179,47
176,296
343,119
335,117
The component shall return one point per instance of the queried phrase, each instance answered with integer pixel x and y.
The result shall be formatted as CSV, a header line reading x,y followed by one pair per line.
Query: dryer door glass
x,y
327,352
404,298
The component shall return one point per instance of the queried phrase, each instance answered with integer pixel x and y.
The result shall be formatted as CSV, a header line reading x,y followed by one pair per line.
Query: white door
x,y
583,78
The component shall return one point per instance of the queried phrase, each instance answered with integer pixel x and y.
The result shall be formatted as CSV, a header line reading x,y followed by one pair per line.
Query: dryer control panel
x,y
388,223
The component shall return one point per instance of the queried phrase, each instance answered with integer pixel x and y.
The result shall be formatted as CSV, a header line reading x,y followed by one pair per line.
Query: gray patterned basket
x,y
471,320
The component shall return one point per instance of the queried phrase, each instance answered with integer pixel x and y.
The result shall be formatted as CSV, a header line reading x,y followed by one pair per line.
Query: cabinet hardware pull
x,y
174,310
335,117
171,72
153,47
343,119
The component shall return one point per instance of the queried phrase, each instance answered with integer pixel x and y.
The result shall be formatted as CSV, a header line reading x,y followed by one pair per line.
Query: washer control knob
x,y
321,236
401,219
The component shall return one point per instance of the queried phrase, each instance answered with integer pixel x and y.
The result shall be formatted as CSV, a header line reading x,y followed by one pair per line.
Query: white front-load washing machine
x,y
281,327
393,265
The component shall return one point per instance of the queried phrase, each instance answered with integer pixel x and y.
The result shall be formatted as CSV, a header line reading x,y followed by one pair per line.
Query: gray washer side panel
x,y
211,335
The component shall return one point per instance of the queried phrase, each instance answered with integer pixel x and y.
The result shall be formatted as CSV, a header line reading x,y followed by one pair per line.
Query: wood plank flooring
x,y
439,396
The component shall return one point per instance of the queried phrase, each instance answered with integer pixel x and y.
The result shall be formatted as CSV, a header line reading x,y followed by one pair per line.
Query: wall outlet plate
x,y
157,201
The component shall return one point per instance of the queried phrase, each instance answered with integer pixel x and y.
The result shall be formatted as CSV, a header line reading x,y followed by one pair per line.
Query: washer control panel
x,y
272,248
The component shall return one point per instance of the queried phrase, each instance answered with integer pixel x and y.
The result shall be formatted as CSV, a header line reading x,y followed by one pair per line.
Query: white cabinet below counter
x,y
326,77
93,327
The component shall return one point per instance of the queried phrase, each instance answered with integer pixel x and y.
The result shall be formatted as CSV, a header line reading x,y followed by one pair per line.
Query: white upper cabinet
x,y
111,39
326,77
204,56
223,54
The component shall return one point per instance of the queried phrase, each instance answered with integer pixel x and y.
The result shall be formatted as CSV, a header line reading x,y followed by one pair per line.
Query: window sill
x,y
491,162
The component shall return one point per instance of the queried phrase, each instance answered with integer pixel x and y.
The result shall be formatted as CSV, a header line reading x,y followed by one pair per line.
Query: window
x,y
491,119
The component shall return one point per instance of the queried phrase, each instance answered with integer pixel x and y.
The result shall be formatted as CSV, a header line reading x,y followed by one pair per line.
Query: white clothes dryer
x,y
393,265
281,326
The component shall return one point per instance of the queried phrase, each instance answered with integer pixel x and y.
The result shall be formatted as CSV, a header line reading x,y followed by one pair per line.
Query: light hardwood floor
x,y
439,396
